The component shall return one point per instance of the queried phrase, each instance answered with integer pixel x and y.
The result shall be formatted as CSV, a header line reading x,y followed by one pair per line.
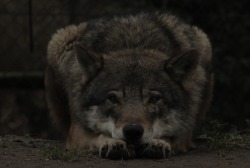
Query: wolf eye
x,y
154,99
113,99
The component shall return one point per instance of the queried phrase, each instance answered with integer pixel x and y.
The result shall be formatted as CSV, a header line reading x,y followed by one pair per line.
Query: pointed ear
x,y
180,67
90,61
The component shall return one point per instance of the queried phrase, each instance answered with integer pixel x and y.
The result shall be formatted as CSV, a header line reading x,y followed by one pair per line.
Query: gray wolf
x,y
131,86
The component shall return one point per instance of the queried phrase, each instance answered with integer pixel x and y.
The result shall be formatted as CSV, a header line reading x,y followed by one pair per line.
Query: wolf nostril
x,y
133,132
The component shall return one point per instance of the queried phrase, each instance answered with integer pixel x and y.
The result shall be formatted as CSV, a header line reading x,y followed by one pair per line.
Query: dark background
x,y
27,25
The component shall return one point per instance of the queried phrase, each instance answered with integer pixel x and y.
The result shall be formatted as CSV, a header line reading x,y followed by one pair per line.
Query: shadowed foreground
x,y
28,152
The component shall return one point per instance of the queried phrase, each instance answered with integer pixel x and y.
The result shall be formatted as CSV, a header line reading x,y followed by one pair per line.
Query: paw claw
x,y
157,149
114,149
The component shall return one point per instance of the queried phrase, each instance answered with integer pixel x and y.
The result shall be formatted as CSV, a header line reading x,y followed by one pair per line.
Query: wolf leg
x,y
106,146
183,143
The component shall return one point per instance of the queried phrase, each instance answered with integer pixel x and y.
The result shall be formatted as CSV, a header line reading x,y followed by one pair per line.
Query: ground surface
x,y
26,152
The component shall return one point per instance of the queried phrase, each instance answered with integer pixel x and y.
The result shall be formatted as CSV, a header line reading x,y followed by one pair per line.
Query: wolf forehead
x,y
133,67
134,60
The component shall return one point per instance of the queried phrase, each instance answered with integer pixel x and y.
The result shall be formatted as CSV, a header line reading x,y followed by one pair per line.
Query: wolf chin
x,y
132,86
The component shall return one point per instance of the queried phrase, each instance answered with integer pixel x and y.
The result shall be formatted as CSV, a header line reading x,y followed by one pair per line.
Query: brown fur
x,y
78,55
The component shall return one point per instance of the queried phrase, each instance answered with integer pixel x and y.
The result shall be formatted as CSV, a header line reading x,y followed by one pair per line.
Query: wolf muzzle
x,y
133,133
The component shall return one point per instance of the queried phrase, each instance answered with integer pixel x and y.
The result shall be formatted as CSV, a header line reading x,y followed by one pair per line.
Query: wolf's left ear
x,y
90,61
180,67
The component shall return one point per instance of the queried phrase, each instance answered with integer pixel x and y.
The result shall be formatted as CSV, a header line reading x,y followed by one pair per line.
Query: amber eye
x,y
154,99
113,98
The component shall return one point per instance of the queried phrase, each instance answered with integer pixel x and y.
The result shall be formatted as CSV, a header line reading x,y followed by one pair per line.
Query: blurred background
x,y
26,27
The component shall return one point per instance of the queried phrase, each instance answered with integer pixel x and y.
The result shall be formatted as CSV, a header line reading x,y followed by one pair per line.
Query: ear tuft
x,y
90,61
180,67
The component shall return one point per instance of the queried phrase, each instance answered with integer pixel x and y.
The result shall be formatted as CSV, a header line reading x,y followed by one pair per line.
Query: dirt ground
x,y
24,152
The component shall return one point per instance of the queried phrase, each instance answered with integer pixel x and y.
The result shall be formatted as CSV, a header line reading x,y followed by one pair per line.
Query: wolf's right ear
x,y
90,61
180,67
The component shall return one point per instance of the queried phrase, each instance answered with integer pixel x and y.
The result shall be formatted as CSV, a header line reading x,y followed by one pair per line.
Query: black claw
x,y
118,151
167,154
104,151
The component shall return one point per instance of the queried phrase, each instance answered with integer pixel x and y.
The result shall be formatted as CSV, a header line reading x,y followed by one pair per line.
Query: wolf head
x,y
136,95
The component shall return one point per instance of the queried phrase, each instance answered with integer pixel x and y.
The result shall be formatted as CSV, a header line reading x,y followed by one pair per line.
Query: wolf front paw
x,y
116,149
157,149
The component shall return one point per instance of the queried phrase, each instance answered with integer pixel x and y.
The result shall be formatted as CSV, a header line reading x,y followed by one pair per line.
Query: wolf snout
x,y
133,132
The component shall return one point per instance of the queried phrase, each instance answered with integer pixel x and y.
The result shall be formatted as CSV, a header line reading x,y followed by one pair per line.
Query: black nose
x,y
133,132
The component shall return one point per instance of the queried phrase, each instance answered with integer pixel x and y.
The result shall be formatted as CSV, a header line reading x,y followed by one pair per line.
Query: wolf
x,y
129,86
